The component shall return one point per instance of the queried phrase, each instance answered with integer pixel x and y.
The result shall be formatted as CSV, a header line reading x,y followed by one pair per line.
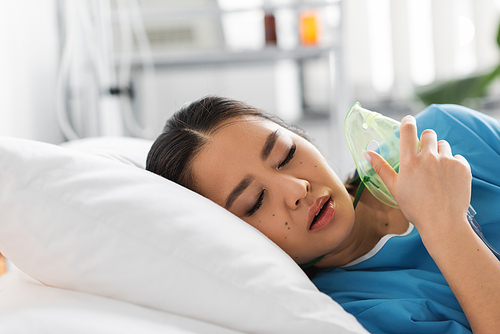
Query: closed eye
x,y
289,156
257,204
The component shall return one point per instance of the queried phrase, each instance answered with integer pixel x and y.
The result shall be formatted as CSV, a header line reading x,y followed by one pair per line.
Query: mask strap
x,y
361,187
312,263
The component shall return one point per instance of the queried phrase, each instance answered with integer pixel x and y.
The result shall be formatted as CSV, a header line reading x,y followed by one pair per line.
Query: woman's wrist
x,y
444,234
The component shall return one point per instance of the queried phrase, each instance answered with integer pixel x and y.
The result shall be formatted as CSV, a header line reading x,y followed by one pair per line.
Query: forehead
x,y
231,153
244,129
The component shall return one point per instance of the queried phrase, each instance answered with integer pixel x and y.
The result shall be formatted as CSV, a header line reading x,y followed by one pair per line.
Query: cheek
x,y
284,233
275,226
312,161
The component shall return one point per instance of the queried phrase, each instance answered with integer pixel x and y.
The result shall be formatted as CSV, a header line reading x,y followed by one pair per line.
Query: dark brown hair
x,y
186,132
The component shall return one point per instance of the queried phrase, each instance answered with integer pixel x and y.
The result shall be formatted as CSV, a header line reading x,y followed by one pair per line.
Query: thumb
x,y
383,169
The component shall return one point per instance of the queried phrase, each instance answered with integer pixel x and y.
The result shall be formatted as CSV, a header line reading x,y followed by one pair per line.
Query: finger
x,y
382,168
462,160
444,148
409,139
428,141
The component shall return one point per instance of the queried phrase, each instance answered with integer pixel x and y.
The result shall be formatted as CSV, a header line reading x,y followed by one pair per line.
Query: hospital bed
x,y
103,246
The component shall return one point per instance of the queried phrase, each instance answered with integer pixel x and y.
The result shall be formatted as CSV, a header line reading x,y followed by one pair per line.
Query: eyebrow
x,y
237,191
266,151
270,142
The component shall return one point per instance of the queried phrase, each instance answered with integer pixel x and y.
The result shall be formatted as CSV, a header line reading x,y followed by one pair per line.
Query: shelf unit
x,y
223,57
339,97
215,10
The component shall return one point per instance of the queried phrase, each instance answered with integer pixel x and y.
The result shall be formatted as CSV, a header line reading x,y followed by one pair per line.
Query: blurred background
x,y
80,68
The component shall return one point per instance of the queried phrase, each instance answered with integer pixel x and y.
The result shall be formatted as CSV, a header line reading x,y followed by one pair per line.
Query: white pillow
x,y
128,150
91,224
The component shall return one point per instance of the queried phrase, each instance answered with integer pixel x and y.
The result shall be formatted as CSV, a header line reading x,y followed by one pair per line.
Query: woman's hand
x,y
433,186
433,191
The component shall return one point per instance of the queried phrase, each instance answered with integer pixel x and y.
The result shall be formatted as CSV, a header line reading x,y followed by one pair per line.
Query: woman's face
x,y
277,182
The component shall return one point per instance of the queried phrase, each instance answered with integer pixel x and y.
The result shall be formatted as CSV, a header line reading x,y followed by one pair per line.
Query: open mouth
x,y
323,216
320,212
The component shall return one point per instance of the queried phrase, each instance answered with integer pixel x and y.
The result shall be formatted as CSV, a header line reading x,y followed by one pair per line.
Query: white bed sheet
x,y
27,306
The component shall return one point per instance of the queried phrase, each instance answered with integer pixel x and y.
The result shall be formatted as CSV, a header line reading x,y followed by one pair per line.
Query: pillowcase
x,y
92,224
132,151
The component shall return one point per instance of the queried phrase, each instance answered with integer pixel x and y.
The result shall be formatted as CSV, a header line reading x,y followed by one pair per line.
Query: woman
x,y
437,277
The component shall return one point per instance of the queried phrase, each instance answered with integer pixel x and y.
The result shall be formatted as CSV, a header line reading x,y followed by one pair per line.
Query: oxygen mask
x,y
370,131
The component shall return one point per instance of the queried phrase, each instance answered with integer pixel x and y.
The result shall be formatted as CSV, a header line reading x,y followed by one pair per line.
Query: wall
x,y
28,70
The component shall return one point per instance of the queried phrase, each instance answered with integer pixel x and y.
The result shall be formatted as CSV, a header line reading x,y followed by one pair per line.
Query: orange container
x,y
309,28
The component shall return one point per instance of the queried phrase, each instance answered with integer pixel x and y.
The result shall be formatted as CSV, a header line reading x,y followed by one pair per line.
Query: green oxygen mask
x,y
370,131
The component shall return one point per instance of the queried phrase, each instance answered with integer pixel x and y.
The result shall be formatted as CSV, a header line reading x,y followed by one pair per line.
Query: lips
x,y
321,213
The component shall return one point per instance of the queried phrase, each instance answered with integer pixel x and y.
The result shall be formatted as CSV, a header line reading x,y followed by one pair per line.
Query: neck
x,y
373,220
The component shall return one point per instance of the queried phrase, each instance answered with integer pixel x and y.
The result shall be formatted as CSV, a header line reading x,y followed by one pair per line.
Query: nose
x,y
294,191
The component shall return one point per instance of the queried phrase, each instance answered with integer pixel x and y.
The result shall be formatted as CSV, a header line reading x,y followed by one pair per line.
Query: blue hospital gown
x,y
400,289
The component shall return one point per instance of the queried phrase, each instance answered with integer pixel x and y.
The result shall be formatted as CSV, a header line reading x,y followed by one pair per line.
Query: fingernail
x,y
410,118
366,156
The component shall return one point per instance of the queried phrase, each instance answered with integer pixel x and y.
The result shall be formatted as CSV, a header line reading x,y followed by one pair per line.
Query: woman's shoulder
x,y
458,123
444,115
